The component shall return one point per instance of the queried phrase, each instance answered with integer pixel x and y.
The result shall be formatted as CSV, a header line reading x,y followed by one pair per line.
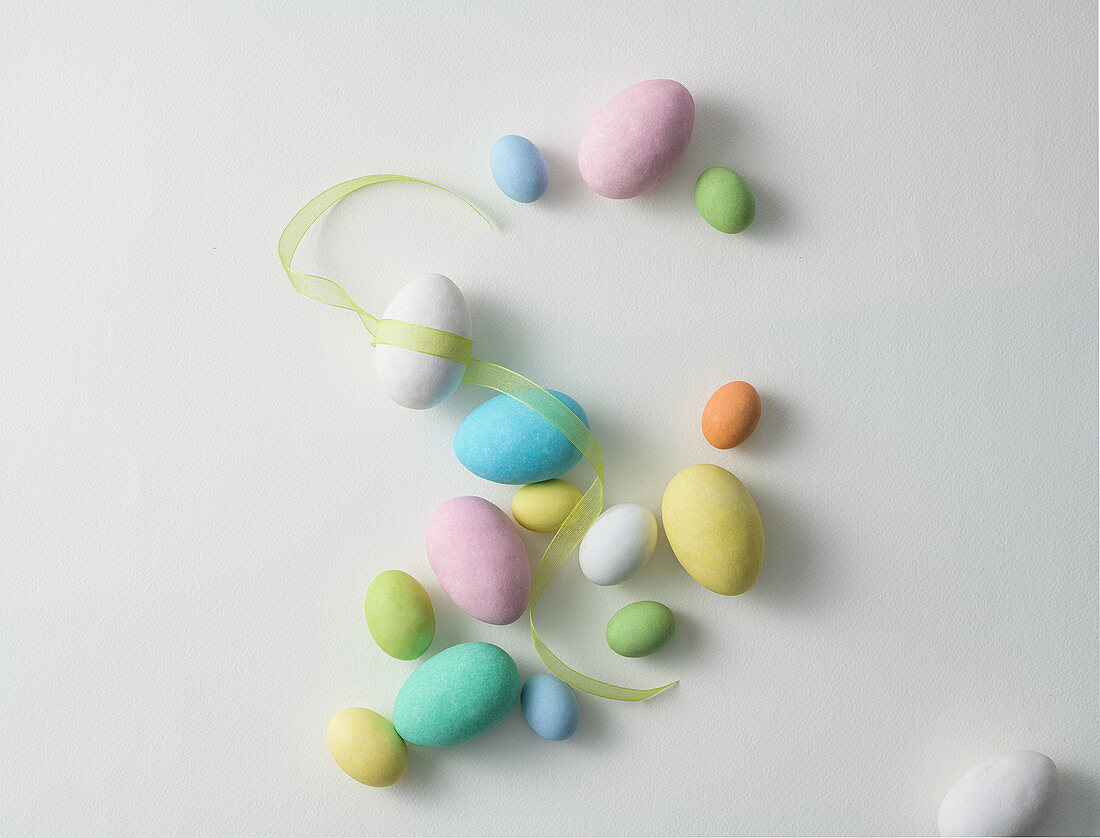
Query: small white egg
x,y
619,544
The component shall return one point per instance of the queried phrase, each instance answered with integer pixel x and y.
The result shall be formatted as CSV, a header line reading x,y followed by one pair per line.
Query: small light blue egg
x,y
550,707
519,168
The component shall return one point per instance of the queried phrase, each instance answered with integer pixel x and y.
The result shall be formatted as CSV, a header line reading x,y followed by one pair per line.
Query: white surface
x,y
201,474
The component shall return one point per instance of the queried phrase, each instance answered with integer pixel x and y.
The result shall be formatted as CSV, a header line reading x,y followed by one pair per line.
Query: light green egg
x,y
399,615
640,629
724,200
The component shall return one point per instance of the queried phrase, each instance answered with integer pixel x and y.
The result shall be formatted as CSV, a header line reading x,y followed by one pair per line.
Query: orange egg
x,y
731,414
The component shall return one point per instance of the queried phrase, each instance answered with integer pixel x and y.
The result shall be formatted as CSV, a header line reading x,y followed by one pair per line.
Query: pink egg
x,y
635,139
479,560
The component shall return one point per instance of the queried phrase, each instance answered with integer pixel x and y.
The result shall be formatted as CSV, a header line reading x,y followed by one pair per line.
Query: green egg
x,y
640,629
399,615
724,200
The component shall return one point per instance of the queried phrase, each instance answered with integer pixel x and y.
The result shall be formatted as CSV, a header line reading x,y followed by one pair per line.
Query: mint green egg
x,y
724,200
399,615
457,695
640,629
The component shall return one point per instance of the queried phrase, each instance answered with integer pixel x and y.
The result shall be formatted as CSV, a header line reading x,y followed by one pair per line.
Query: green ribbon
x,y
484,374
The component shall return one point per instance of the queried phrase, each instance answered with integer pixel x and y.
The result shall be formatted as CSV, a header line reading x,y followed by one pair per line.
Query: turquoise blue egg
x,y
505,441
519,168
458,695
550,707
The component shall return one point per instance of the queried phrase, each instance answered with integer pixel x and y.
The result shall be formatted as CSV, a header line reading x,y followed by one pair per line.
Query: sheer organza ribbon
x,y
484,374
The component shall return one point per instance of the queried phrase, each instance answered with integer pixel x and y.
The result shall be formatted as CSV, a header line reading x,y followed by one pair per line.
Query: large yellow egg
x,y
367,747
714,529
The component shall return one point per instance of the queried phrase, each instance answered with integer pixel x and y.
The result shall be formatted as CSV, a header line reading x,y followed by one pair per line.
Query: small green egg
x,y
724,200
640,629
399,615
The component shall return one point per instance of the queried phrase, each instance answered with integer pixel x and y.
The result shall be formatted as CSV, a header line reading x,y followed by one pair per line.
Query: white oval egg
x,y
414,379
1008,794
619,543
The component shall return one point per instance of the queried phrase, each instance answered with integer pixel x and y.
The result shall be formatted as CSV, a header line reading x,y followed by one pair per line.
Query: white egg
x,y
1008,794
415,379
619,543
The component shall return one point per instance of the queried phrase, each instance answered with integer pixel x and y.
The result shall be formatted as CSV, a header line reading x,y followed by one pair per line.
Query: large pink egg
x,y
635,139
479,560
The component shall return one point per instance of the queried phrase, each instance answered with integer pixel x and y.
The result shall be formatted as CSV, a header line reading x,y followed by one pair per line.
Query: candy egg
x,y
640,629
714,529
542,507
399,615
519,168
479,559
1009,794
635,139
731,414
549,706
618,544
505,441
461,693
366,746
724,200
416,379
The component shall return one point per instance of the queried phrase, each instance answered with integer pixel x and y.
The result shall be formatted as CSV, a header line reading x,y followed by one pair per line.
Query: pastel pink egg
x,y
479,560
635,139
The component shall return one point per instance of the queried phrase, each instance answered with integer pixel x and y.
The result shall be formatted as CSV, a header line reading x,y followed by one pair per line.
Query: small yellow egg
x,y
366,746
542,507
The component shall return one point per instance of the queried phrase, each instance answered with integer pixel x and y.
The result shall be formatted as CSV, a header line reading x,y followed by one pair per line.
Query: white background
x,y
201,474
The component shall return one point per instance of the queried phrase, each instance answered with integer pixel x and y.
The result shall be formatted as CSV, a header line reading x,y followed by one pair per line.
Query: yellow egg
x,y
714,529
367,747
541,507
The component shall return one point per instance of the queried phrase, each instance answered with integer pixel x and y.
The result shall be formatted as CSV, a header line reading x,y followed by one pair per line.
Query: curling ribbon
x,y
484,374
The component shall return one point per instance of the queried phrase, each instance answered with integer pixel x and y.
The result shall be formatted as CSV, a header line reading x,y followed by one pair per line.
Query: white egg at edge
x,y
1008,794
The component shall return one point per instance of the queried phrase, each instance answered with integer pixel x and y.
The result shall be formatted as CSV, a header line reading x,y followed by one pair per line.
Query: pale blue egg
x,y
505,441
550,707
519,168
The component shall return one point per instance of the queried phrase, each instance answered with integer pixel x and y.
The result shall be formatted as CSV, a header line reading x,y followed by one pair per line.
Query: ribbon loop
x,y
484,374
